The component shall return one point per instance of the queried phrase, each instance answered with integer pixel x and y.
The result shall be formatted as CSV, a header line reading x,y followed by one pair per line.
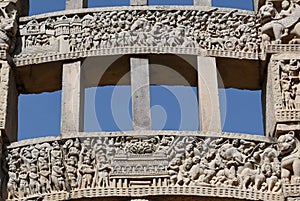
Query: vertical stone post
x,y
202,2
76,4
138,2
8,103
140,91
281,94
209,107
255,5
72,113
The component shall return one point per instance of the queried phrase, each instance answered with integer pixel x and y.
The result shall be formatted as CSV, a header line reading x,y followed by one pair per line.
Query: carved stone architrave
x,y
157,164
202,31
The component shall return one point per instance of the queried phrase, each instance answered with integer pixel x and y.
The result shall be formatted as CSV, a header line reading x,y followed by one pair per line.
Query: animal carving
x,y
281,23
289,149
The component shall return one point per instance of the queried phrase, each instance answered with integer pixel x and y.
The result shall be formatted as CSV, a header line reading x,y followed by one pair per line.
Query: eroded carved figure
x,y
289,149
282,21
289,81
8,27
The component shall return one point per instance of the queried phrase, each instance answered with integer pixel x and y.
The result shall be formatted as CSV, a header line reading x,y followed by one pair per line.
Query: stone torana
x,y
81,47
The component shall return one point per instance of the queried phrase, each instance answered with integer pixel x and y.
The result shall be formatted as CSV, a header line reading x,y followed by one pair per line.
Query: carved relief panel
x,y
284,70
81,165
222,32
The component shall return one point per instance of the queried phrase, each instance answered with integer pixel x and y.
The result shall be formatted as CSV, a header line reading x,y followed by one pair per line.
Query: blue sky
x,y
109,108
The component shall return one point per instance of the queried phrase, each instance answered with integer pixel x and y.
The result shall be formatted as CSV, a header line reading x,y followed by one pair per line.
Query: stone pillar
x,y
140,91
202,2
23,7
76,4
72,113
8,103
209,109
138,2
255,5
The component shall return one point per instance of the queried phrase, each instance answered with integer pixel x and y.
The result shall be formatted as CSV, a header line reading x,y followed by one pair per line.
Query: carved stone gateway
x,y
248,50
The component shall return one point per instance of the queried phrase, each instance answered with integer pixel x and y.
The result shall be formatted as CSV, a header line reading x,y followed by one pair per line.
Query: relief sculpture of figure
x,y
8,28
289,147
86,170
281,22
101,179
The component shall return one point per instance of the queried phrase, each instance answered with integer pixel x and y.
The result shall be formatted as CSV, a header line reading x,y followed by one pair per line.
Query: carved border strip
x,y
50,57
278,48
122,8
257,138
158,191
177,190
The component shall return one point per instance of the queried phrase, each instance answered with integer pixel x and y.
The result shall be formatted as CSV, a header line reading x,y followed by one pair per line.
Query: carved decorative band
x,y
49,57
166,191
224,33
286,115
179,190
291,190
281,48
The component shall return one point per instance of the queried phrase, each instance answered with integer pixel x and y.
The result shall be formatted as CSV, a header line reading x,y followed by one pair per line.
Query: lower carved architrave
x,y
252,168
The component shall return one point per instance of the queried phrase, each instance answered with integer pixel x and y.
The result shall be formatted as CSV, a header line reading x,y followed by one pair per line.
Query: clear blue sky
x,y
173,108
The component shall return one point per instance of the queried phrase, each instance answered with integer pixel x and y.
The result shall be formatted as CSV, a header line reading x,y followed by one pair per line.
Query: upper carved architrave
x,y
183,30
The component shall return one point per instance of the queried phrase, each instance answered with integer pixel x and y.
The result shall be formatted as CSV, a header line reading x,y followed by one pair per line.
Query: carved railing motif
x,y
156,164
186,30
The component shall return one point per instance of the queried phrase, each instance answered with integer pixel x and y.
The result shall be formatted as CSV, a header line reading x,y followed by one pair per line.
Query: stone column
x,y
76,4
72,113
8,103
138,2
140,91
202,2
255,5
209,109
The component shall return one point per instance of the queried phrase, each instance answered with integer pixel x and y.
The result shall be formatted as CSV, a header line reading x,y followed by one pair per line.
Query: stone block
x,y
138,2
202,2
76,4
